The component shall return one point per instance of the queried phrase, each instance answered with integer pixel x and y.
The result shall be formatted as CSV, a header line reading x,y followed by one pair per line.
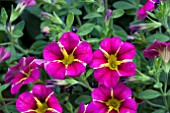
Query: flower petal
x,y
69,40
81,108
127,69
101,93
111,45
106,77
127,51
102,108
54,103
84,52
25,102
129,104
75,69
55,69
34,75
52,52
122,92
98,59
40,91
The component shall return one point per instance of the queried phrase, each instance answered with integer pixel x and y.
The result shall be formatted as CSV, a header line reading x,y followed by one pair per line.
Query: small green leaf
x,y
149,94
69,106
123,5
89,72
71,81
18,30
55,18
70,19
159,111
83,98
91,1
3,87
92,15
93,40
2,27
159,37
4,16
168,93
85,29
158,85
119,32
76,11
117,13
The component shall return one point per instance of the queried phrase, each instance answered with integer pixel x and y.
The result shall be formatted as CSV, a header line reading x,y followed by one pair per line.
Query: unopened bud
x,y
108,14
45,31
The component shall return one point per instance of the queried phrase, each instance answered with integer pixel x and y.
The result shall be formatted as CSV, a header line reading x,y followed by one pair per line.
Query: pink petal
x,y
102,108
127,51
69,40
101,93
25,102
75,69
111,45
34,75
54,103
122,92
52,52
127,69
84,52
106,76
81,108
41,92
55,69
17,83
129,104
98,59
5,56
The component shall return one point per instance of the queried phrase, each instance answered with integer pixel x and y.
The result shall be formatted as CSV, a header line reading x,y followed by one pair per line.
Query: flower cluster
x,y
68,58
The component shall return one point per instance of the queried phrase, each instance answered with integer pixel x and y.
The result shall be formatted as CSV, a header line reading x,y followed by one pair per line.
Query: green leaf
x,y
70,19
83,98
69,106
89,72
119,32
85,29
3,87
12,108
91,1
2,27
159,111
14,14
123,5
4,16
76,11
55,18
13,54
158,85
157,36
149,94
117,13
71,81
18,30
93,40
38,46
92,15
168,93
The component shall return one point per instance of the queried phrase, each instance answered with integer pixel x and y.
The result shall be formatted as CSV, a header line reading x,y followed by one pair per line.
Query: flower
x,y
114,100
25,72
39,100
90,108
67,57
28,3
4,55
149,6
108,14
161,49
112,60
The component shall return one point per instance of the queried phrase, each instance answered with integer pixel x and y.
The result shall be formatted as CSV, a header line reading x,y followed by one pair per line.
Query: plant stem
x,y
4,104
78,20
155,105
85,84
164,94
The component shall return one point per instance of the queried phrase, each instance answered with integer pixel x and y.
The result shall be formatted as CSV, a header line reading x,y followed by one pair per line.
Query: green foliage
x,y
149,94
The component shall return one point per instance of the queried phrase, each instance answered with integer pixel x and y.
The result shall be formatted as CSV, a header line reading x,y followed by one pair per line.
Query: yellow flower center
x,y
113,104
68,59
113,63
42,107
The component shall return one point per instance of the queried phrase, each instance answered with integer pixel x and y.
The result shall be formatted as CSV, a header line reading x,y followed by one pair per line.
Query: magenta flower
x,y
161,49
39,100
25,72
67,57
28,3
112,60
114,100
4,55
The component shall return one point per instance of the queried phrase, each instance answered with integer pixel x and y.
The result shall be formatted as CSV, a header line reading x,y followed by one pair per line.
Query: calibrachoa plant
x,y
85,56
